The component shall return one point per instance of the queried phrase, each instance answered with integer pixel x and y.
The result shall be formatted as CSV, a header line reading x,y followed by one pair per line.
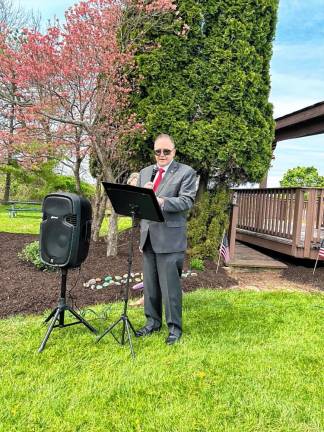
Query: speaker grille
x,y
65,229
56,242
72,219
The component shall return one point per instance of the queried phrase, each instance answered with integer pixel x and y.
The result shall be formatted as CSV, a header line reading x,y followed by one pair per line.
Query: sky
x,y
297,73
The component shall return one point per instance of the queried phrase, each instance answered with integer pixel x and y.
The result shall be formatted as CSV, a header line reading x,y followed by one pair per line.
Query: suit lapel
x,y
168,176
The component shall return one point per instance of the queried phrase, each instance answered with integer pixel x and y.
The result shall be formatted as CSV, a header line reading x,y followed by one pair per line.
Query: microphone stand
x,y
127,325
136,202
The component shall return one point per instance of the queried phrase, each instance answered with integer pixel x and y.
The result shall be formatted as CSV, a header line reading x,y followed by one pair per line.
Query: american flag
x,y
224,249
320,254
321,250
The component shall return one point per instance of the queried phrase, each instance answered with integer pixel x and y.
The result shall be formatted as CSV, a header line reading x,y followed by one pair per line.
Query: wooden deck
x,y
286,220
250,258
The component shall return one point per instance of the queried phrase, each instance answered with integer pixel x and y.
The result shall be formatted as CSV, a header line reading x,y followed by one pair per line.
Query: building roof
x,y
304,122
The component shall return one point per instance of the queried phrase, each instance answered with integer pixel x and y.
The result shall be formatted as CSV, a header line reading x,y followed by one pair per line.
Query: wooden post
x,y
310,219
232,225
297,222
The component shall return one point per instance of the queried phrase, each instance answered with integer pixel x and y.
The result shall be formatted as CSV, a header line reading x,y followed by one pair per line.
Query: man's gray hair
x,y
165,136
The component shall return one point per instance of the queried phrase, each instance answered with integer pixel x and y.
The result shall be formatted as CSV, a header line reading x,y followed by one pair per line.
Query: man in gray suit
x,y
164,243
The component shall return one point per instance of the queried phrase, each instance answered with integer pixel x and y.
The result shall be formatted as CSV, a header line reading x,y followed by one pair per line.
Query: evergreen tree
x,y
207,84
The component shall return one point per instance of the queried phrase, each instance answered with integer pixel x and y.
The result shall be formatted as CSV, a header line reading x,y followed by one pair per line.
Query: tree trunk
x,y
6,195
203,182
76,172
112,236
99,210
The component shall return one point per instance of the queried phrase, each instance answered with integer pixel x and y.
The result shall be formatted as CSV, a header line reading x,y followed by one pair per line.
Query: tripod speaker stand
x,y
58,313
64,242
139,203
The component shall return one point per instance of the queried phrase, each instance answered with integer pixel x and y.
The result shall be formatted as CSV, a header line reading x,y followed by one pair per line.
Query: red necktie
x,y
158,179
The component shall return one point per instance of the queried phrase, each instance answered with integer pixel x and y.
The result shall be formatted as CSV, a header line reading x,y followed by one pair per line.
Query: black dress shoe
x,y
172,338
147,330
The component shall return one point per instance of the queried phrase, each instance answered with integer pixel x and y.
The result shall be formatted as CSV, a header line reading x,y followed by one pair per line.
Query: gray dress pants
x,y
162,272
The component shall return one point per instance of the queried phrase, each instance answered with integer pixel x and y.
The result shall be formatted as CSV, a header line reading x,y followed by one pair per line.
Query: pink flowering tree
x,y
76,88
12,18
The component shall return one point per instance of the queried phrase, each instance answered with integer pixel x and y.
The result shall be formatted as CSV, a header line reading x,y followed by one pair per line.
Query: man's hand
x,y
148,185
160,201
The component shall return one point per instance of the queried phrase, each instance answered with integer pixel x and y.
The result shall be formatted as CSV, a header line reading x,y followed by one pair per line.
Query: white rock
x,y
118,278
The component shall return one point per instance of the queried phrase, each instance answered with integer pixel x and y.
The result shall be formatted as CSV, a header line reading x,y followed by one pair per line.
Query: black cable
x,y
70,296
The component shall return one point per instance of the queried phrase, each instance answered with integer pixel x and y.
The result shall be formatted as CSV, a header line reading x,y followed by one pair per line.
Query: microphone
x,y
155,170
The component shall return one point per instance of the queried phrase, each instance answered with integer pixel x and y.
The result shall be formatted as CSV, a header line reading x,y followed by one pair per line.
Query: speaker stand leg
x,y
57,314
49,330
50,315
82,320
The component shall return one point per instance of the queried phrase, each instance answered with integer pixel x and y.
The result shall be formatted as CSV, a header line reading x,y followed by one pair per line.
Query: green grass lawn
x,y
247,362
28,222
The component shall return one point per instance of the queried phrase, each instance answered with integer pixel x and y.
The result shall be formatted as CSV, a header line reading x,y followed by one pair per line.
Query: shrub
x,y
31,254
34,184
209,218
197,264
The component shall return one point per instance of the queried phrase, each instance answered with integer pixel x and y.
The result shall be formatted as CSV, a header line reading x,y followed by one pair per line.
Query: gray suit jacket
x,y
178,188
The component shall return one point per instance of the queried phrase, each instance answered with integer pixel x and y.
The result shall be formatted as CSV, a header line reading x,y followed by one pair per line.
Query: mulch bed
x,y
26,290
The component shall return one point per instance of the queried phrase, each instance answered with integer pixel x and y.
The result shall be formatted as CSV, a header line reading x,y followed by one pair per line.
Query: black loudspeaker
x,y
65,229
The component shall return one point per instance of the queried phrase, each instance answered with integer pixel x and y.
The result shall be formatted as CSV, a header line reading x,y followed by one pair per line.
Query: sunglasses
x,y
166,152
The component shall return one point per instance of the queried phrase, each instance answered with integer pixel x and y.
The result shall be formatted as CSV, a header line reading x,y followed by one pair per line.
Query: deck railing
x,y
291,217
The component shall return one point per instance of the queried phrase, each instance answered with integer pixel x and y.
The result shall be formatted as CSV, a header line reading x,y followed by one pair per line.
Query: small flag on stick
x,y
320,254
224,250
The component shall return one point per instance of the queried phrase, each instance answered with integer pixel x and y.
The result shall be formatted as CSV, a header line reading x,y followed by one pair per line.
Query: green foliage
x,y
197,264
208,87
302,177
207,224
247,361
34,184
31,254
28,223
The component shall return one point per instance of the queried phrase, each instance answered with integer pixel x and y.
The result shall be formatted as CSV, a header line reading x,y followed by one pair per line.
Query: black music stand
x,y
139,203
